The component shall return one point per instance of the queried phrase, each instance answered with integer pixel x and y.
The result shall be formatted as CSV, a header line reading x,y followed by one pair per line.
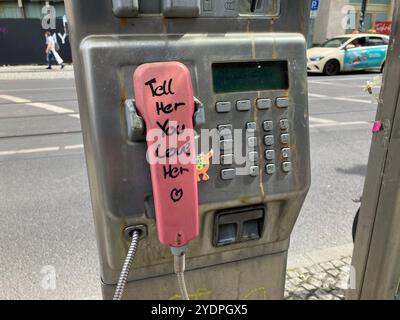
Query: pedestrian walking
x,y
51,51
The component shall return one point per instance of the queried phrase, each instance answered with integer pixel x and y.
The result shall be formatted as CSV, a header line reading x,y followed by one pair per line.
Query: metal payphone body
x,y
245,220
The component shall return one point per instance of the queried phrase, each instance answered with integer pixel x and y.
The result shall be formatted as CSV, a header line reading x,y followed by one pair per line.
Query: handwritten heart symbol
x,y
176,194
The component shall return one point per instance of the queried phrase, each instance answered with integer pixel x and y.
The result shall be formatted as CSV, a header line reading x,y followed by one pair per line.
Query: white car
x,y
348,53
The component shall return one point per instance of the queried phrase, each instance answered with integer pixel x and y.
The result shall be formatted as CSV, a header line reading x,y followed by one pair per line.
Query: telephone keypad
x,y
267,126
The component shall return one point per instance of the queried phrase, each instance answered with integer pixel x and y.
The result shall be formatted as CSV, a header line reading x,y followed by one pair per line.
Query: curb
x,y
319,256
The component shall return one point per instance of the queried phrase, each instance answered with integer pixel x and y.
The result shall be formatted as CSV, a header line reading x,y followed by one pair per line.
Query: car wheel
x,y
383,67
332,68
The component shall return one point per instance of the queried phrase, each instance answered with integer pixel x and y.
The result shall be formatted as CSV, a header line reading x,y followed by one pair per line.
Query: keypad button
x,y
228,174
264,104
269,140
222,127
270,155
285,138
287,167
227,159
252,142
286,153
270,169
226,145
282,102
254,171
223,106
243,105
284,124
251,126
268,125
225,131
253,157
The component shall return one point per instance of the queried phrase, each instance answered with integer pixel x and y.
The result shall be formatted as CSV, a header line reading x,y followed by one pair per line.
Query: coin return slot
x,y
238,226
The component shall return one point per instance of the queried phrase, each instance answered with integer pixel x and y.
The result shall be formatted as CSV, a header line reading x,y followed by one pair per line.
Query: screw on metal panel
x,y
129,230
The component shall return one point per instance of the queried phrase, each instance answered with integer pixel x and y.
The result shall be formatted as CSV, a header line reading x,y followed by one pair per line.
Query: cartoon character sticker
x,y
202,166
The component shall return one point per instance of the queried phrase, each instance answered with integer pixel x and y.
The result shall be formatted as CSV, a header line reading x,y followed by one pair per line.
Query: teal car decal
x,y
364,57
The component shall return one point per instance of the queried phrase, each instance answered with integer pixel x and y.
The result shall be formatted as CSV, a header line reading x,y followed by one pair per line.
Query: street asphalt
x,y
46,220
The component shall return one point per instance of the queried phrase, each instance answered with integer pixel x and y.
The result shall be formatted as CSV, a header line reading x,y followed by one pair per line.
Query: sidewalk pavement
x,y
319,275
32,72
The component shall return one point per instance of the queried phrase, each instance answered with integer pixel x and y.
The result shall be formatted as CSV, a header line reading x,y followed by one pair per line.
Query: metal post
x,y
310,35
362,15
376,257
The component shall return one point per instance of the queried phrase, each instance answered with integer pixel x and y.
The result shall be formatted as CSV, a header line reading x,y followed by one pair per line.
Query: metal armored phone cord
x,y
123,278
179,268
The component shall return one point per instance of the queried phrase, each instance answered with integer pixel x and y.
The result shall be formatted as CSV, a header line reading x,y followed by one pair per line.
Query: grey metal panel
x,y
376,255
293,18
106,52
243,280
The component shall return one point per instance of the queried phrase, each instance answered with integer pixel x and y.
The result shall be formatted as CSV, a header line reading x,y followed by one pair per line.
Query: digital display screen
x,y
250,76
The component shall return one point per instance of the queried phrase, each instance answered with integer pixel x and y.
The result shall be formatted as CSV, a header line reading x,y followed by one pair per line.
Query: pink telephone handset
x,y
164,99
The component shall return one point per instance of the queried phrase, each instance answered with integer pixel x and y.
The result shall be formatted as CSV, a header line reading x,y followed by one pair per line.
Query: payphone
x,y
247,65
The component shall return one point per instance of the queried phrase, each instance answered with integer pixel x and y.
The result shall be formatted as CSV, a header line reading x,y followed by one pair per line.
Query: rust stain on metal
x,y
122,93
245,200
124,22
164,25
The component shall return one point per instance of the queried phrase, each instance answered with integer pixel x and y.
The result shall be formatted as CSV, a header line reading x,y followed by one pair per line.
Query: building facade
x,y
22,27
20,9
337,17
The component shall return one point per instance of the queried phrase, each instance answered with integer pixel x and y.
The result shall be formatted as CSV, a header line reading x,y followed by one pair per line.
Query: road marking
x,y
48,89
352,100
45,106
314,95
50,107
335,84
24,151
76,146
39,150
344,78
339,124
14,99
322,96
320,120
